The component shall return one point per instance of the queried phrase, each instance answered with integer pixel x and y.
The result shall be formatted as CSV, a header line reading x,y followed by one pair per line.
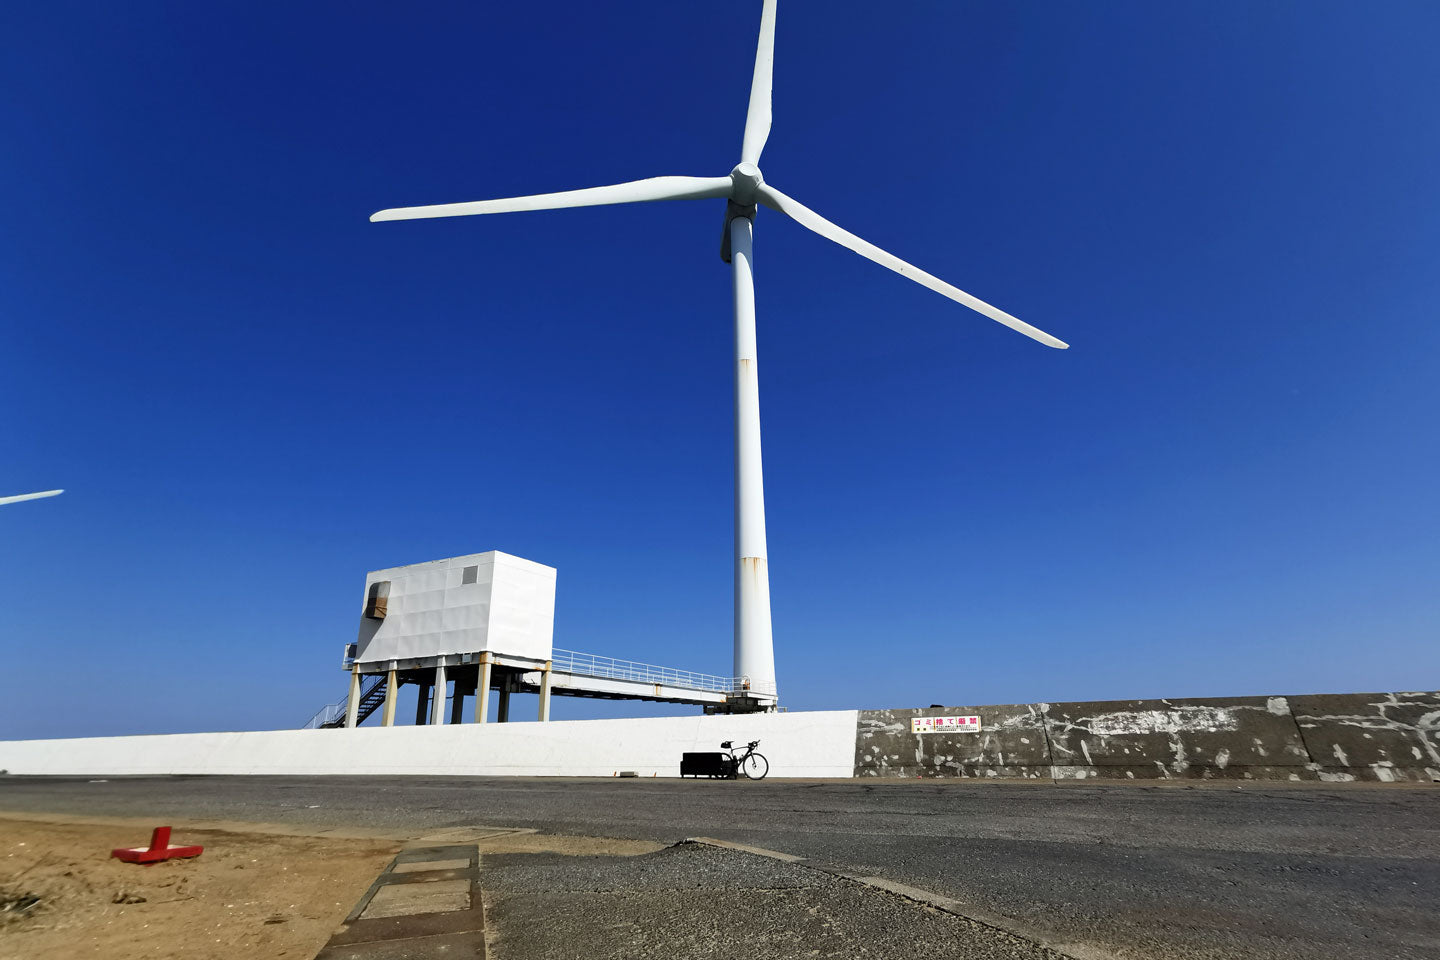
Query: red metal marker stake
x,y
158,850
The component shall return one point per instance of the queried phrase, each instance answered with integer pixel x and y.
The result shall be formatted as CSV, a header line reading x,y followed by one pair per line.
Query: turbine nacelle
x,y
746,179
745,183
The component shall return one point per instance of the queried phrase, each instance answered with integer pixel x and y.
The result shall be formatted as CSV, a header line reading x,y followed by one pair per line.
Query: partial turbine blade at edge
x,y
808,218
21,497
636,191
757,120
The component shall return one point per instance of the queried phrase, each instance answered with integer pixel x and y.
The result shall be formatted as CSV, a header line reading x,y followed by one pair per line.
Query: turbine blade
x,y
806,217
30,496
757,121
636,191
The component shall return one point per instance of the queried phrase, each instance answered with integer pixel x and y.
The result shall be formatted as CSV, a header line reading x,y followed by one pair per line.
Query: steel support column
x,y
457,705
437,703
392,693
482,690
352,704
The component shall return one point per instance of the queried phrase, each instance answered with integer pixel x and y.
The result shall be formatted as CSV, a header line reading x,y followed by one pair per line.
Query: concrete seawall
x,y
819,744
1385,737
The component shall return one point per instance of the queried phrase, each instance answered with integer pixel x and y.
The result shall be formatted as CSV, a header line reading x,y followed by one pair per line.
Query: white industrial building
x,y
469,626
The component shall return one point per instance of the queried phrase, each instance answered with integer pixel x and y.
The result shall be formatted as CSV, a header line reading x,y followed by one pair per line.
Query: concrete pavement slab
x,y
417,866
700,902
407,899
426,904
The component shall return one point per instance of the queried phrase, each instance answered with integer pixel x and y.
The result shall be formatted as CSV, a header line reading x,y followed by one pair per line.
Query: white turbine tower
x,y
744,188
31,496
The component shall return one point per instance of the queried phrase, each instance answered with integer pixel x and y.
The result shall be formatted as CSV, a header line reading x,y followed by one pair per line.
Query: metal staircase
x,y
372,695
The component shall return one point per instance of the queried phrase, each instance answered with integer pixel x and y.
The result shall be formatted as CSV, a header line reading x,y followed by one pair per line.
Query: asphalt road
x,y
1175,870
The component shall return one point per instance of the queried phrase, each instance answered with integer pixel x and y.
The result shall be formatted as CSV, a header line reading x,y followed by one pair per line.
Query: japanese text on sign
x,y
945,725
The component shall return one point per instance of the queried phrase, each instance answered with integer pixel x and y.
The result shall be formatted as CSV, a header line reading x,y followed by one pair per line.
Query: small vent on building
x,y
377,599
470,575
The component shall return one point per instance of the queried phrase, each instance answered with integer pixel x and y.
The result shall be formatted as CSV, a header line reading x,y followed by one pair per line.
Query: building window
x,y
470,575
377,599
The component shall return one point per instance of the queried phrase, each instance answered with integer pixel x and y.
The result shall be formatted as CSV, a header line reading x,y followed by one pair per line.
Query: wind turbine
x,y
743,189
30,496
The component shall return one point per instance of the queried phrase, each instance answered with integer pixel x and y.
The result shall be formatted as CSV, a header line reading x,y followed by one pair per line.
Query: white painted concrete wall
x,y
819,744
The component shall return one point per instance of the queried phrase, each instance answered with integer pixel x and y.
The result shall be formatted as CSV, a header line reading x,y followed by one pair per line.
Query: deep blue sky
x,y
253,395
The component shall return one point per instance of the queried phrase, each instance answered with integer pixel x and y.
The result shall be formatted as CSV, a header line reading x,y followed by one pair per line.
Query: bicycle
x,y
750,763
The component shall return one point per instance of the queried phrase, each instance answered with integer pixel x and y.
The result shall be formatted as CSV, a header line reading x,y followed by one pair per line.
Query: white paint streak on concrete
x,y
1175,720
1340,755
1429,727
1277,705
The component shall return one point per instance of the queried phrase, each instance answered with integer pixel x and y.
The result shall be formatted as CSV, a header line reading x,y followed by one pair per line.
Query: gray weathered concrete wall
x,y
1139,739
1382,736
1011,744
1371,736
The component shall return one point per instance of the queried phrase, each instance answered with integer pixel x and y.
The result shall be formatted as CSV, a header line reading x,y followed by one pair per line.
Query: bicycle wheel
x,y
755,767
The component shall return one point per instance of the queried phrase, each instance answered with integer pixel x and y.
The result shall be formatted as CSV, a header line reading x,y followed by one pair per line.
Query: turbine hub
x,y
746,178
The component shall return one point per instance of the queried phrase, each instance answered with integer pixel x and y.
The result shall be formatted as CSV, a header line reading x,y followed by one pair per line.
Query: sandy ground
x,y
249,895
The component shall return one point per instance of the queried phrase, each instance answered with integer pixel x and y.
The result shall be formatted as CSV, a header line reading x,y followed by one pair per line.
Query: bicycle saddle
x,y
726,744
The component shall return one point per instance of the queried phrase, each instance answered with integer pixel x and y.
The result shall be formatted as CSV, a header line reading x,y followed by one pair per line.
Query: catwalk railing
x,y
609,668
327,715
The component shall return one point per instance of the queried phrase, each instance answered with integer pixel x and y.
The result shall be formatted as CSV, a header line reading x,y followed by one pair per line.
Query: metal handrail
x,y
327,714
334,711
609,668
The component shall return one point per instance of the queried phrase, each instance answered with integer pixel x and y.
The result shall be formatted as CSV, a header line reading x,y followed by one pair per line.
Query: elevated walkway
x,y
568,673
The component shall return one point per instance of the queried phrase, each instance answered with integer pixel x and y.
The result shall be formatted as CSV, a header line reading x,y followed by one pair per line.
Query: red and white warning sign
x,y
945,725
